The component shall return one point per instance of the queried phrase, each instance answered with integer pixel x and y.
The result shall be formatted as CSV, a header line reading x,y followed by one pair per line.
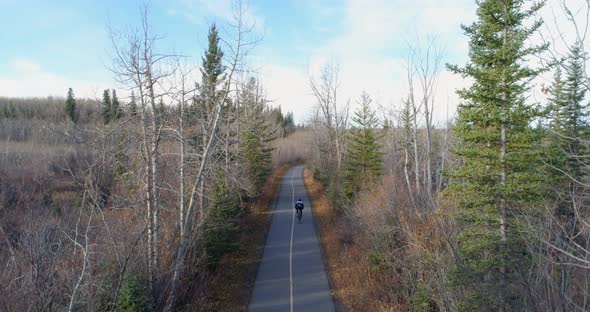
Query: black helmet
x,y
299,199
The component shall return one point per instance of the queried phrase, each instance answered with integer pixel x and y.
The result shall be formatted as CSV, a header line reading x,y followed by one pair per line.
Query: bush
x,y
132,297
421,302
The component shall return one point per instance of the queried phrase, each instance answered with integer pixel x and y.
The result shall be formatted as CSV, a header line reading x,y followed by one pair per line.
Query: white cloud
x,y
371,52
25,65
30,80
288,87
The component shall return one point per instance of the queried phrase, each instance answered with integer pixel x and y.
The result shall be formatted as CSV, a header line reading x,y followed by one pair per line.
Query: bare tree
x,y
137,66
332,117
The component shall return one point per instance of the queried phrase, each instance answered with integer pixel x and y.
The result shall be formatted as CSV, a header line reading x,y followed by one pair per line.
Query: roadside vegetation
x,y
486,212
154,201
156,195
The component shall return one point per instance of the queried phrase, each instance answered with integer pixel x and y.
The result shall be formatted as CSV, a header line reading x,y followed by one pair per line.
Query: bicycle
x,y
299,215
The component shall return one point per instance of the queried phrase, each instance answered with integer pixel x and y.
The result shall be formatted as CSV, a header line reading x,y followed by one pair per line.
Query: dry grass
x,y
353,282
231,286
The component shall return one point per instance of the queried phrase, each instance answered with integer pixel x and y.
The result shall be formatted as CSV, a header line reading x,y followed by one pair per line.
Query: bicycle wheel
x,y
299,214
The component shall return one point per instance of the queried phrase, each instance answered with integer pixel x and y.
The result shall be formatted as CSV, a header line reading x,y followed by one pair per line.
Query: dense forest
x,y
153,197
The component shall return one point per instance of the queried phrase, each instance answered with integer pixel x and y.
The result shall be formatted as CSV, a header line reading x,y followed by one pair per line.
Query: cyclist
x,y
299,208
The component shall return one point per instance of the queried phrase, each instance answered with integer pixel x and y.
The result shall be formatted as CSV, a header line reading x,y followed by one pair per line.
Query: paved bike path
x,y
291,276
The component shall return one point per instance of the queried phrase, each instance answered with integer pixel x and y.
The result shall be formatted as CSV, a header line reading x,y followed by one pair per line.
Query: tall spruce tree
x,y
569,128
363,158
498,180
70,108
106,107
212,75
256,133
115,106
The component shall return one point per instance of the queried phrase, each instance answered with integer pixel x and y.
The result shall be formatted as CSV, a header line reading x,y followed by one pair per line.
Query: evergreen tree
x,y
257,133
133,105
106,107
212,75
115,106
70,109
568,113
220,226
161,107
363,158
570,122
498,180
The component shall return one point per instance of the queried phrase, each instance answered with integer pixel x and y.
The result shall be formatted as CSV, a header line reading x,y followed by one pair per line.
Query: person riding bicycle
x,y
299,205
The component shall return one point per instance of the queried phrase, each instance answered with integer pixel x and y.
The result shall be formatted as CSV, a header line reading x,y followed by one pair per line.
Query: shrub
x,y
132,297
421,302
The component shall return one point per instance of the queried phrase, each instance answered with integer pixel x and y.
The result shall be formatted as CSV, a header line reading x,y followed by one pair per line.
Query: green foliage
x,y
257,133
375,259
363,158
106,106
8,111
421,301
568,114
132,297
221,226
116,107
285,122
491,263
70,108
203,105
212,76
133,105
111,109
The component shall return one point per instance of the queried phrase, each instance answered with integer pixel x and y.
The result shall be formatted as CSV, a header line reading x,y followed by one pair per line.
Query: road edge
x,y
338,306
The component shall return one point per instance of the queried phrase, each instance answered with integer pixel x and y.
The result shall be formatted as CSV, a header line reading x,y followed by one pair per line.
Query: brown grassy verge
x,y
231,286
352,281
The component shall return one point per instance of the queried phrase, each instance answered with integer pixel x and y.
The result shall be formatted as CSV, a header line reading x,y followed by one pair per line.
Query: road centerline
x,y
291,244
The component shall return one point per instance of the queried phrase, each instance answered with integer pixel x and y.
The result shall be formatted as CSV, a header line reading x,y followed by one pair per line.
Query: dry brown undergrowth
x,y
352,281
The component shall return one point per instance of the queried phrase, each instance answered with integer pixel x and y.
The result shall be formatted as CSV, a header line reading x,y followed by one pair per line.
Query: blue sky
x,y
48,46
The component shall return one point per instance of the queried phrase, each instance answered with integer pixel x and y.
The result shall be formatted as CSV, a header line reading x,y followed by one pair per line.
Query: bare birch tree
x,y
137,66
333,117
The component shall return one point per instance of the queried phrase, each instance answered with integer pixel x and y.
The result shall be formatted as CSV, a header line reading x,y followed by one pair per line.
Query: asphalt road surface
x,y
291,276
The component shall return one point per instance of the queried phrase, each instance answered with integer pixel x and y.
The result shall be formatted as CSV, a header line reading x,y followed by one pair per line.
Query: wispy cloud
x,y
371,49
29,79
23,65
200,11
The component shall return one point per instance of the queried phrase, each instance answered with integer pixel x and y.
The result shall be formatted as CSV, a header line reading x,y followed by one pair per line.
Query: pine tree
x,y
571,112
257,134
363,158
115,106
133,105
212,74
220,226
106,107
70,109
161,107
569,128
498,180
